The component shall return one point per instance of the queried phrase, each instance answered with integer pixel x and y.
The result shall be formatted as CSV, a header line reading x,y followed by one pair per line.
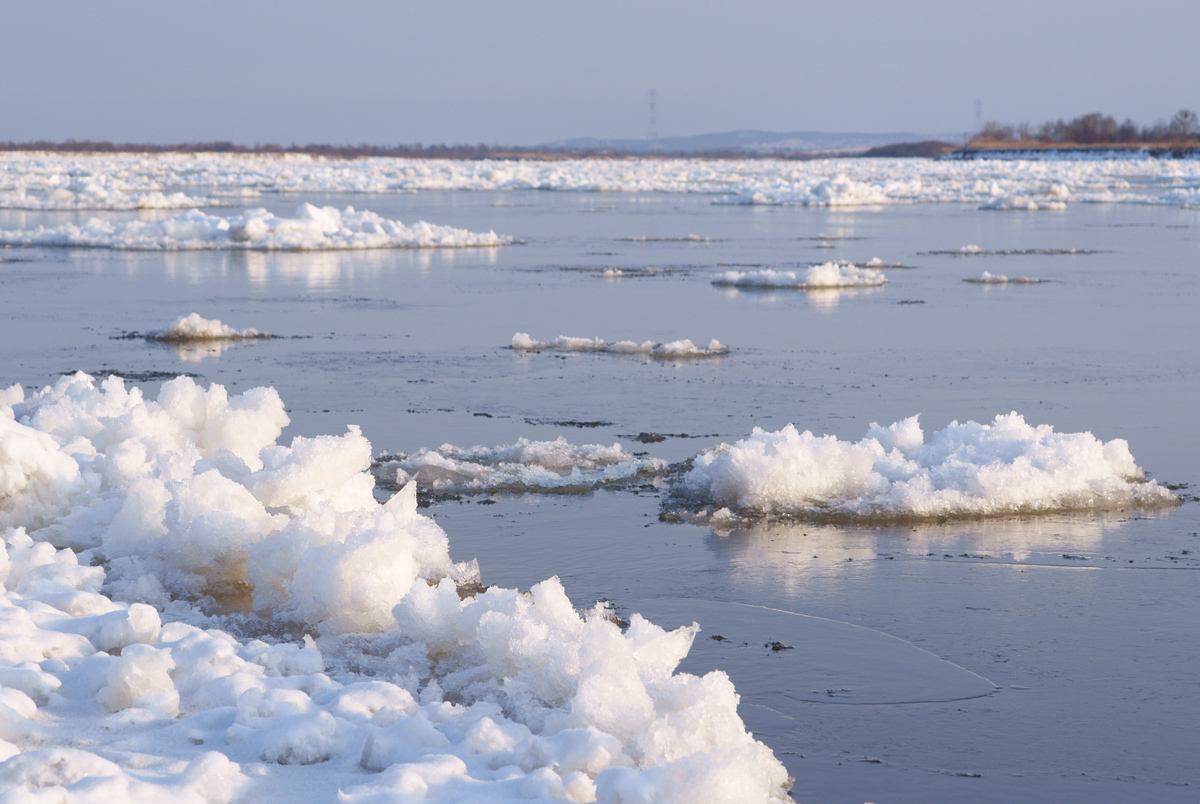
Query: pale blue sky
x,y
528,71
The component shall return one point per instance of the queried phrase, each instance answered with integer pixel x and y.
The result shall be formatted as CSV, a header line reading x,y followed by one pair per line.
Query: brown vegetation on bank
x,y
1091,131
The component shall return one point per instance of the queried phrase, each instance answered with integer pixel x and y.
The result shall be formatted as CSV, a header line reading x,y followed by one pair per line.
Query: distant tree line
x,y
1097,128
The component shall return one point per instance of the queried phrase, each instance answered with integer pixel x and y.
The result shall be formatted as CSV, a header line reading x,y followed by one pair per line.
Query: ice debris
x,y
1003,468
195,328
672,350
988,278
818,277
417,686
313,228
526,466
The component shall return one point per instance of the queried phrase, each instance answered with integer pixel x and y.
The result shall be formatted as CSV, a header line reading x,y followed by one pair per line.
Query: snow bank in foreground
x,y
971,469
416,688
988,278
827,275
554,466
313,228
194,328
1052,198
673,350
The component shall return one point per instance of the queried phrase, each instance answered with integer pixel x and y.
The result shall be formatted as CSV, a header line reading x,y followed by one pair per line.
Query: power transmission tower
x,y
652,126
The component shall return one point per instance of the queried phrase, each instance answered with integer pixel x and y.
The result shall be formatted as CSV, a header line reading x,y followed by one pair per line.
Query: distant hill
x,y
748,141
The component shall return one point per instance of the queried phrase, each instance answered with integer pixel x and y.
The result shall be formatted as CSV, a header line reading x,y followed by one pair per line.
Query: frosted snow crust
x,y
672,350
1097,178
534,466
190,494
194,327
313,228
971,469
818,277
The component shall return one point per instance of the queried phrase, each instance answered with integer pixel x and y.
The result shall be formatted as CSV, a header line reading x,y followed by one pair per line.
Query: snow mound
x,y
313,228
1052,198
673,350
417,686
1003,468
826,275
526,466
988,278
194,328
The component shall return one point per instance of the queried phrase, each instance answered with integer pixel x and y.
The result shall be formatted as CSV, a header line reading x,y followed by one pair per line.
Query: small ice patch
x,y
195,328
987,278
313,228
673,350
526,466
98,197
826,275
1003,468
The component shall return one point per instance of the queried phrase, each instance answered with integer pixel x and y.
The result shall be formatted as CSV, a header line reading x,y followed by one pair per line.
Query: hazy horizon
x,y
535,72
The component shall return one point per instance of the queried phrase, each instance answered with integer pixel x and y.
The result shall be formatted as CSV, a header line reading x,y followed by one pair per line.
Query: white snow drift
x,y
416,689
537,466
818,277
673,350
313,228
971,469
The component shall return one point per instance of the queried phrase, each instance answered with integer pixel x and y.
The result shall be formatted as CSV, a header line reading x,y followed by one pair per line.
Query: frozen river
x,y
1050,656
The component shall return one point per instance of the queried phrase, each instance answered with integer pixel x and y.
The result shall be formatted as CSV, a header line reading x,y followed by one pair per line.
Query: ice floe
x,y
94,197
194,328
818,277
313,228
1004,468
120,516
526,466
112,180
673,350
988,278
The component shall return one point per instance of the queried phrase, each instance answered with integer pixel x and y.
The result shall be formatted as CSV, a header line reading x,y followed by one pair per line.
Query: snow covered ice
x,y
194,328
313,228
818,277
672,350
132,181
988,278
114,508
1007,467
536,466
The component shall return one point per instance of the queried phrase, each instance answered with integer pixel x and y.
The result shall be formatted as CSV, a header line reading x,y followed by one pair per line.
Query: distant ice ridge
x,y
1003,468
827,275
313,228
96,197
824,182
110,502
194,327
537,466
674,350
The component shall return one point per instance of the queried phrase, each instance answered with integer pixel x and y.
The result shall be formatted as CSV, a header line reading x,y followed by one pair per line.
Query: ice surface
x,y
195,328
97,197
417,687
125,181
827,275
1004,468
313,228
987,278
673,350
539,466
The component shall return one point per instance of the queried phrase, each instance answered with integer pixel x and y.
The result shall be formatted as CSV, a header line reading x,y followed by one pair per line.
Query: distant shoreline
x,y
977,148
